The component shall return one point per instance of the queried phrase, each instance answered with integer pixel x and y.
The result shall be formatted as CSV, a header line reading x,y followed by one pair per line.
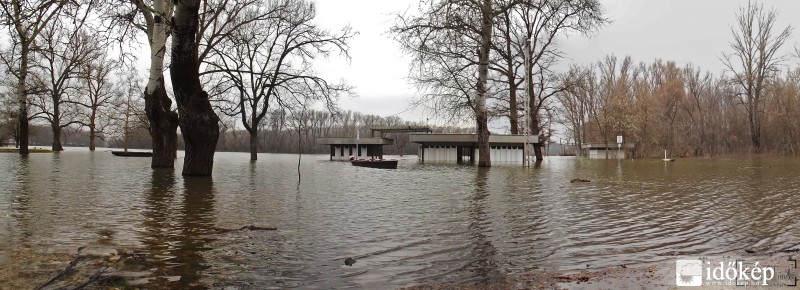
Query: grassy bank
x,y
31,150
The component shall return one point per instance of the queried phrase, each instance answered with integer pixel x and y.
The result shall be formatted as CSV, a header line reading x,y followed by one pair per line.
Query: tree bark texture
x,y
163,126
198,122
158,106
22,98
254,144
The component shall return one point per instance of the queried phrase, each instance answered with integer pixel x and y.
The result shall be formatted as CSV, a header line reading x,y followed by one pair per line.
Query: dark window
x,y
341,150
376,150
351,151
333,151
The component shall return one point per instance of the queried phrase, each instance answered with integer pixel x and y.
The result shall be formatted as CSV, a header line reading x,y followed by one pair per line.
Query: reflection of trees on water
x,y
483,264
55,174
174,229
34,195
198,215
20,203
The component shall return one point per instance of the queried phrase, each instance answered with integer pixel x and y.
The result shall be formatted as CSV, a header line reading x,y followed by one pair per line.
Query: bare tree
x,y
128,115
533,26
25,19
450,40
577,100
97,95
269,62
8,120
62,48
754,58
153,20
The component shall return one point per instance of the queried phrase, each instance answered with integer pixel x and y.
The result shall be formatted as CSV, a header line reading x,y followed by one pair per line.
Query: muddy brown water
x,y
416,224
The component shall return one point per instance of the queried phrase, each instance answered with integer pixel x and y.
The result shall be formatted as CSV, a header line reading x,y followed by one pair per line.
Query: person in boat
x,y
352,158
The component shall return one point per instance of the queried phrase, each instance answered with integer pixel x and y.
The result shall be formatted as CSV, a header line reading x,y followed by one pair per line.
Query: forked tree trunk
x,y
199,124
158,106
163,126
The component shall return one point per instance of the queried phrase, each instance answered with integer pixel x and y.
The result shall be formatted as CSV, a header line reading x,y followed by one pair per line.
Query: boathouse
x,y
608,150
365,148
360,148
463,148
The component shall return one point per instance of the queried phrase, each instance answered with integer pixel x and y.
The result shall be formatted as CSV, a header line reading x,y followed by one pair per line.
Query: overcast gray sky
x,y
696,31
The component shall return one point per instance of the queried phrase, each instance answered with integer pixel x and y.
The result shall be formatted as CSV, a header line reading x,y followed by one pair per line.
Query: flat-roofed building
x,y
608,151
463,148
342,148
360,148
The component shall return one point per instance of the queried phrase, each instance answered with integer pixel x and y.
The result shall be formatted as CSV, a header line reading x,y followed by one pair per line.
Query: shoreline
x,y
656,276
30,150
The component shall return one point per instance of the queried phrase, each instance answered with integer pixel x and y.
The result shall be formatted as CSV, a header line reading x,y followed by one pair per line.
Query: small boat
x,y
132,153
375,163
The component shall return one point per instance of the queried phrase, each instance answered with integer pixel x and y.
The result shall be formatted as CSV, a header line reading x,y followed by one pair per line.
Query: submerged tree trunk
x,y
92,129
56,128
22,97
533,108
199,124
537,147
158,106
254,144
163,126
481,115
755,127
92,132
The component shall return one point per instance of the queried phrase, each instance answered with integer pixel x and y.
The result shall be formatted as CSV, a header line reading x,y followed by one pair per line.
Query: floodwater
x,y
416,224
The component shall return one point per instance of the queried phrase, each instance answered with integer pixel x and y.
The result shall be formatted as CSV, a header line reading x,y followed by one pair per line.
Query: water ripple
x,y
415,224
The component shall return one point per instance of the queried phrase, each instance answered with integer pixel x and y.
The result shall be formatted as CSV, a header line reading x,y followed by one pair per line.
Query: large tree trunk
x,y
199,124
92,133
158,106
481,115
254,144
56,128
163,126
22,97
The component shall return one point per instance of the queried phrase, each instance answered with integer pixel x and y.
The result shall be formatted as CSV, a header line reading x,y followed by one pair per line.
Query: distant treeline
x,y
690,112
278,135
